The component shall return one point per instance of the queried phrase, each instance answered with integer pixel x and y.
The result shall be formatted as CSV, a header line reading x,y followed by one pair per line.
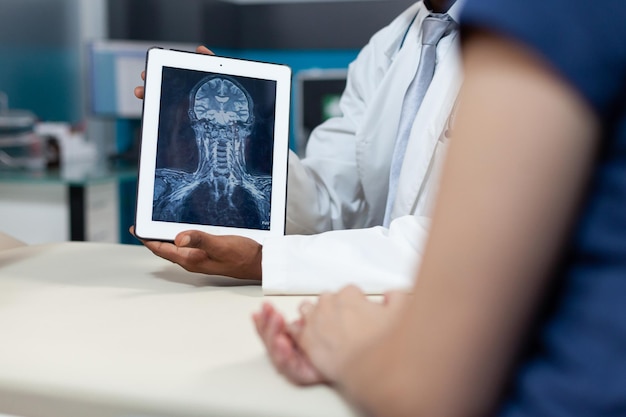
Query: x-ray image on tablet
x,y
214,157
214,162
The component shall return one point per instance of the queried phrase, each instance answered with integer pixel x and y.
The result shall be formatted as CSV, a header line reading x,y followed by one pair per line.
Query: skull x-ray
x,y
214,150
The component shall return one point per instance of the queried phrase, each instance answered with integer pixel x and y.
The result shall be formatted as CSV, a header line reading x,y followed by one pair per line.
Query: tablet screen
x,y
213,164
214,150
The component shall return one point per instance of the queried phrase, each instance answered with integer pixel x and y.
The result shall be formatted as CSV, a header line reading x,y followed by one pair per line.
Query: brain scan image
x,y
205,176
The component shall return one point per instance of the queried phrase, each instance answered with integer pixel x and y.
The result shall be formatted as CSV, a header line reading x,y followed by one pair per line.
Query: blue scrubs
x,y
575,364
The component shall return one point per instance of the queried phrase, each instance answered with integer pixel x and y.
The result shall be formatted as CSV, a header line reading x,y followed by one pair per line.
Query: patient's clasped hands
x,y
329,337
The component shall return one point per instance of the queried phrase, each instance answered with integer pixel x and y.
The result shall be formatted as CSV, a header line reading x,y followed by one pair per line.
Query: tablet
x,y
214,146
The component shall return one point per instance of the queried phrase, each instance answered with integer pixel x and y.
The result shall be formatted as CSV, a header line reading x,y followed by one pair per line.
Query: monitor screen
x,y
318,92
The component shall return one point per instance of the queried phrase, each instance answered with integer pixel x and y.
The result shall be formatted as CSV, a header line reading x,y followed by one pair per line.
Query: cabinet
x,y
48,206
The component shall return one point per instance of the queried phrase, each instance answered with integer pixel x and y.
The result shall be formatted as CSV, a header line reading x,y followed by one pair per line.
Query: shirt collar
x,y
455,10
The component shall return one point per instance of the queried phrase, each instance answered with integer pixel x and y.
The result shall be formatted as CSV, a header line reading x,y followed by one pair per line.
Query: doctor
x,y
344,225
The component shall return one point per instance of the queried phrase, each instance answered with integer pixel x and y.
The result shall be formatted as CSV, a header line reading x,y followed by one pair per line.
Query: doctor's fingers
x,y
139,92
201,49
213,245
191,259
163,250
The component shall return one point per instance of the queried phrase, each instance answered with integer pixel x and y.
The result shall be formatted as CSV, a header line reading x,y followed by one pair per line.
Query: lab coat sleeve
x,y
374,259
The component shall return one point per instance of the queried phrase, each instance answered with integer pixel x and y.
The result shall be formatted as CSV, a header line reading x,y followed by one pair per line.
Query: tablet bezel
x,y
156,60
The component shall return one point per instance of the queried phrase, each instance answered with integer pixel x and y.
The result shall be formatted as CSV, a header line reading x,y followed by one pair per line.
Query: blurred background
x,y
69,123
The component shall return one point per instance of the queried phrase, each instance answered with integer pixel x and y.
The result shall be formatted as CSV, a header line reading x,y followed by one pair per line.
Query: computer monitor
x,y
114,72
317,96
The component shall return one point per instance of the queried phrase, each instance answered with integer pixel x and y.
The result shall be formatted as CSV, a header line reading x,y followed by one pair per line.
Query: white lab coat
x,y
338,191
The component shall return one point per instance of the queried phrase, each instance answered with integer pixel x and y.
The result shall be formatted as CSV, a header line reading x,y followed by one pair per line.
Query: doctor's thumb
x,y
189,239
182,240
194,239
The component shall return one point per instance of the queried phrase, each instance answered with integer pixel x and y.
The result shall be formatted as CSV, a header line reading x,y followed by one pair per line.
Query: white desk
x,y
93,329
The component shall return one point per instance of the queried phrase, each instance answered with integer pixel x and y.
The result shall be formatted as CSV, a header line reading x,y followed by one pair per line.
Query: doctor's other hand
x,y
329,335
139,89
195,251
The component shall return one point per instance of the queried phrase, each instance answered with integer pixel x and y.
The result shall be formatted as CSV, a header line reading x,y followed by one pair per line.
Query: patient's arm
x,y
510,188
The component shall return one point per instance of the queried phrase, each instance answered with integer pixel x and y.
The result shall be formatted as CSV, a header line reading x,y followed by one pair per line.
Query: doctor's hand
x,y
139,90
330,334
195,251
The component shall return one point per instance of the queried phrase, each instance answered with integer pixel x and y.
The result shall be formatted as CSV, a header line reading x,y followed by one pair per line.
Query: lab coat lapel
x,y
377,136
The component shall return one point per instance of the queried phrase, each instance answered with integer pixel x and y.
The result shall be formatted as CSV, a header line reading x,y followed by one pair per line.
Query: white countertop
x,y
90,329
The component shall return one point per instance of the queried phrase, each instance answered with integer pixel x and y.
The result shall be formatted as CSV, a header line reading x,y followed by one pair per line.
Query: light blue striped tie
x,y
434,27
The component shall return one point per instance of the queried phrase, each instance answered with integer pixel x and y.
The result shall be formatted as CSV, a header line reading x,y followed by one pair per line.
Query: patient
x,y
518,306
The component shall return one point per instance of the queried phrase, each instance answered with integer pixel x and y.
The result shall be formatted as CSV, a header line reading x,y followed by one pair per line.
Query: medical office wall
x,y
304,34
41,65
247,24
